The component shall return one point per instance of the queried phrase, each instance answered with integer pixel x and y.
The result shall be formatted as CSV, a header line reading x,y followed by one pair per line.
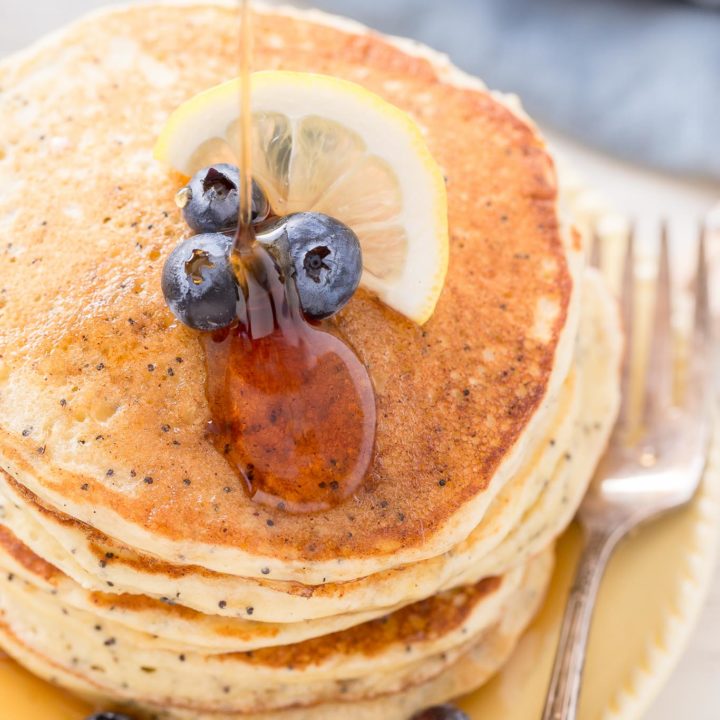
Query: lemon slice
x,y
328,145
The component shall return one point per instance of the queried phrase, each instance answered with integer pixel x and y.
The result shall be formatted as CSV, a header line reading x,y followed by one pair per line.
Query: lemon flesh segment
x,y
327,145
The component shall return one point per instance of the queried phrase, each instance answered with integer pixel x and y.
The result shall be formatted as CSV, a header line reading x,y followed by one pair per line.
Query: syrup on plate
x,y
293,408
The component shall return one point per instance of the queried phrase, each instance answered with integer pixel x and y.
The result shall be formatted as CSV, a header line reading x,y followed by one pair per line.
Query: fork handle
x,y
564,690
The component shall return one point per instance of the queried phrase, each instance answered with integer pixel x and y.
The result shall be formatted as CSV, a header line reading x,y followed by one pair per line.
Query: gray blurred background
x,y
637,78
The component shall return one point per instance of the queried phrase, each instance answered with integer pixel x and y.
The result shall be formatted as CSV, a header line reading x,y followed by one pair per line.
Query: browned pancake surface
x,y
116,387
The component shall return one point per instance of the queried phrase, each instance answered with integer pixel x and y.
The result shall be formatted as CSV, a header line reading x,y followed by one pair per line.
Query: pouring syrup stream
x,y
245,235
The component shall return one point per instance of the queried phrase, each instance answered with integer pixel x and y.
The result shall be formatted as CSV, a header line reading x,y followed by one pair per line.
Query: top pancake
x,y
102,404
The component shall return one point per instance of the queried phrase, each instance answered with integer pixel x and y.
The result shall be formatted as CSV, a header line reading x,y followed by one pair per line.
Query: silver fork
x,y
654,461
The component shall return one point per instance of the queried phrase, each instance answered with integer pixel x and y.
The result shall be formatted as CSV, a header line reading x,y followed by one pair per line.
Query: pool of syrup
x,y
293,408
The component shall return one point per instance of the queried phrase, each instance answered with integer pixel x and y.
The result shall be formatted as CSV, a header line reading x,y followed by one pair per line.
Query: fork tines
x,y
651,363
627,311
661,361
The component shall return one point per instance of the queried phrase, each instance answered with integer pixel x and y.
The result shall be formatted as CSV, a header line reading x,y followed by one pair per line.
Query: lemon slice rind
x,y
409,281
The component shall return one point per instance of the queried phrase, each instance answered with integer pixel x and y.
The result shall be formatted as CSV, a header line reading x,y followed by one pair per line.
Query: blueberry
x,y
210,201
108,716
323,256
199,284
441,712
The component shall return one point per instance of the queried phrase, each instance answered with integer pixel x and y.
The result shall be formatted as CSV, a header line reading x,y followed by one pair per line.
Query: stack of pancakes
x,y
136,568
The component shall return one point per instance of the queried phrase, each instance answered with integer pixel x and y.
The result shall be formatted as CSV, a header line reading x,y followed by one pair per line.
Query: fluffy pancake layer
x,y
385,656
83,551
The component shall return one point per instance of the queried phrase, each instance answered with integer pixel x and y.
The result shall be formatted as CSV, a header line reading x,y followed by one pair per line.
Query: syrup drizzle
x,y
245,236
292,406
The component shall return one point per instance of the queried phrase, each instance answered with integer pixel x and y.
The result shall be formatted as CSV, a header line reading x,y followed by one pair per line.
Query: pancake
x,y
545,510
480,603
85,389
472,669
381,656
134,568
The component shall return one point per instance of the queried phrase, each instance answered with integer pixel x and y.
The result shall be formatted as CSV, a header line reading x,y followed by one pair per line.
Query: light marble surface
x,y
693,691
